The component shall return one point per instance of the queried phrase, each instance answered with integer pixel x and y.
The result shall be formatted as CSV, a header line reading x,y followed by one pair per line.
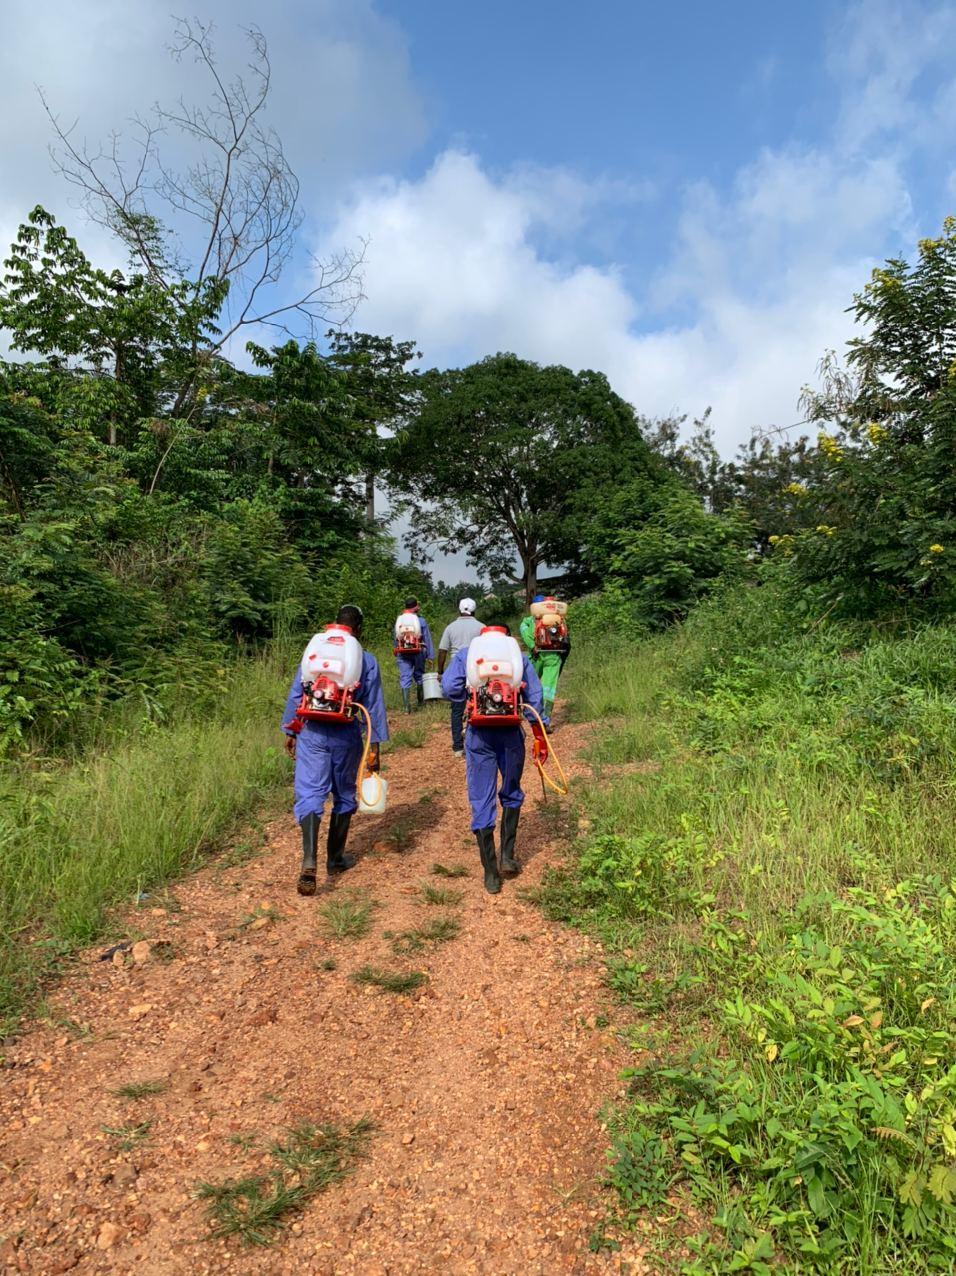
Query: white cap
x,y
467,606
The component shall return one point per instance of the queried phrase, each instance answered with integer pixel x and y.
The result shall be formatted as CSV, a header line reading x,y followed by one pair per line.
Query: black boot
x,y
509,831
489,860
336,859
407,699
419,694
310,842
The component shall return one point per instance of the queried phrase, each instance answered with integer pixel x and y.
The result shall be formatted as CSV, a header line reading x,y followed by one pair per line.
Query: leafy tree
x,y
883,531
500,454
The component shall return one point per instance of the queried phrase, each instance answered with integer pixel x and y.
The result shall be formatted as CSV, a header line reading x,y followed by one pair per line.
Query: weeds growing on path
x,y
310,1159
437,931
140,1089
390,981
348,915
450,870
130,1135
440,895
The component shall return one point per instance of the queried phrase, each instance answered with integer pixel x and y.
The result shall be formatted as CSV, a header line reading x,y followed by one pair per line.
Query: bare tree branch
x,y
234,186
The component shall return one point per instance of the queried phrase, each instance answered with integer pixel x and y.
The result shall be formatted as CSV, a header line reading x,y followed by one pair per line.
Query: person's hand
x,y
540,750
374,760
290,745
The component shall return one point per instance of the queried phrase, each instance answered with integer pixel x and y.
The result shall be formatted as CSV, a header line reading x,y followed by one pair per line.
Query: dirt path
x,y
484,1085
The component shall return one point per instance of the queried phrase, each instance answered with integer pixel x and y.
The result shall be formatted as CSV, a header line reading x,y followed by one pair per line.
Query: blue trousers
x,y
327,761
410,669
490,752
457,723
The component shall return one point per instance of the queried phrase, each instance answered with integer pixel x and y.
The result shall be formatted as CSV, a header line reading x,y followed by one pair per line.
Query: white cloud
x,y
753,281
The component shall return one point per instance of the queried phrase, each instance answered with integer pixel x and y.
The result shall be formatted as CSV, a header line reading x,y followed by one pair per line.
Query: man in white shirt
x,y
457,635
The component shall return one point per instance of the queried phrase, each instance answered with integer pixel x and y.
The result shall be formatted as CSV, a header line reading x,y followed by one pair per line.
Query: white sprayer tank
x,y
335,654
408,624
494,655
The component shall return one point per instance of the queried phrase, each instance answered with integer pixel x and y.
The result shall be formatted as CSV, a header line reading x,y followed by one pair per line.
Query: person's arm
x,y
454,679
292,725
533,695
443,649
370,695
427,641
526,629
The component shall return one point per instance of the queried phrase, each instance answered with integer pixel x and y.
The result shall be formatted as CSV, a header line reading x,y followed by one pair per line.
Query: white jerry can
x,y
335,654
494,655
408,625
372,794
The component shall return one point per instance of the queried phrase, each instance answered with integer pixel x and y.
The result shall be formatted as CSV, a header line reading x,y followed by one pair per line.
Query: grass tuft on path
x,y
439,930
450,870
443,895
308,1160
348,915
397,981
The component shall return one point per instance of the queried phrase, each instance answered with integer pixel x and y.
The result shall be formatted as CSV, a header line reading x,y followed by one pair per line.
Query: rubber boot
x,y
420,694
489,860
336,860
310,842
407,699
509,831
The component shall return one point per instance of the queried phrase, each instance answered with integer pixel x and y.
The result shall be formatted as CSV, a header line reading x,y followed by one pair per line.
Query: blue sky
x,y
684,196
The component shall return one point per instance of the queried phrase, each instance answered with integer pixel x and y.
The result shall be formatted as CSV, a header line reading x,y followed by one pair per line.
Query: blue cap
x,y
538,598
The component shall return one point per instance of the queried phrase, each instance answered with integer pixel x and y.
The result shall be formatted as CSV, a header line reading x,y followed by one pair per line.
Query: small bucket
x,y
372,795
432,685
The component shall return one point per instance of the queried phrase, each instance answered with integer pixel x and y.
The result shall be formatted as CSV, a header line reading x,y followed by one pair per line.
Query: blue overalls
x,y
327,755
491,751
412,668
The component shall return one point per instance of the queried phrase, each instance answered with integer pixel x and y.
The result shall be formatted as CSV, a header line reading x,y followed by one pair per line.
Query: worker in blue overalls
x,y
411,665
493,752
327,757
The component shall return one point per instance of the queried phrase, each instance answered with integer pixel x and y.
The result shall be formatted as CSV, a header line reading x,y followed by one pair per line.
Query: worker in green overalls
x,y
545,634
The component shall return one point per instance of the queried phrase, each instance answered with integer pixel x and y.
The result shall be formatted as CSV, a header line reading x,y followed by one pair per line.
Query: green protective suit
x,y
547,665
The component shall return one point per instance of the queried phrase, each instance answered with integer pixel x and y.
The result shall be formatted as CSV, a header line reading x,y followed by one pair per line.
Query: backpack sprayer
x,y
550,627
494,682
408,634
331,670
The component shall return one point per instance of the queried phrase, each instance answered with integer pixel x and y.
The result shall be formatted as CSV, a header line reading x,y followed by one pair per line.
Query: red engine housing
x,y
493,705
325,701
551,637
408,646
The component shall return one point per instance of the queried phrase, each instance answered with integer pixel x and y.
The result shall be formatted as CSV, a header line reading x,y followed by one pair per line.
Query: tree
x,y
227,221
498,454
883,528
381,391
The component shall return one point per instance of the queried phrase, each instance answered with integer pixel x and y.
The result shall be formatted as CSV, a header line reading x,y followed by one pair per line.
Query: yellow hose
x,y
367,750
562,788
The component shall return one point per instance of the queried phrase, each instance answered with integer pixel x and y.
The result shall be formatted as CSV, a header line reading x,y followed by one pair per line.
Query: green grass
x,y
439,930
771,885
348,915
411,737
451,870
80,836
397,981
140,1089
307,1161
440,894
129,1135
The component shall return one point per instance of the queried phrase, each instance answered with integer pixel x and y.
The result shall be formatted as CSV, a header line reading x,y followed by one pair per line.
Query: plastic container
x,y
548,607
432,684
335,654
372,794
494,655
408,625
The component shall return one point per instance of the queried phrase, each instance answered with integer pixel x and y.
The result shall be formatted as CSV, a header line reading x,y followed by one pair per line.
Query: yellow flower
x,y
877,434
796,489
825,529
774,540
829,447
935,549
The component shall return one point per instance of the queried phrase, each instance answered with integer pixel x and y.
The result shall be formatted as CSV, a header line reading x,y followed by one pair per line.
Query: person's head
x,y
352,616
466,607
410,604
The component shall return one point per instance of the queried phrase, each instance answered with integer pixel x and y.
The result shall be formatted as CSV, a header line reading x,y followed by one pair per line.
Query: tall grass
x,y
769,843
78,837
